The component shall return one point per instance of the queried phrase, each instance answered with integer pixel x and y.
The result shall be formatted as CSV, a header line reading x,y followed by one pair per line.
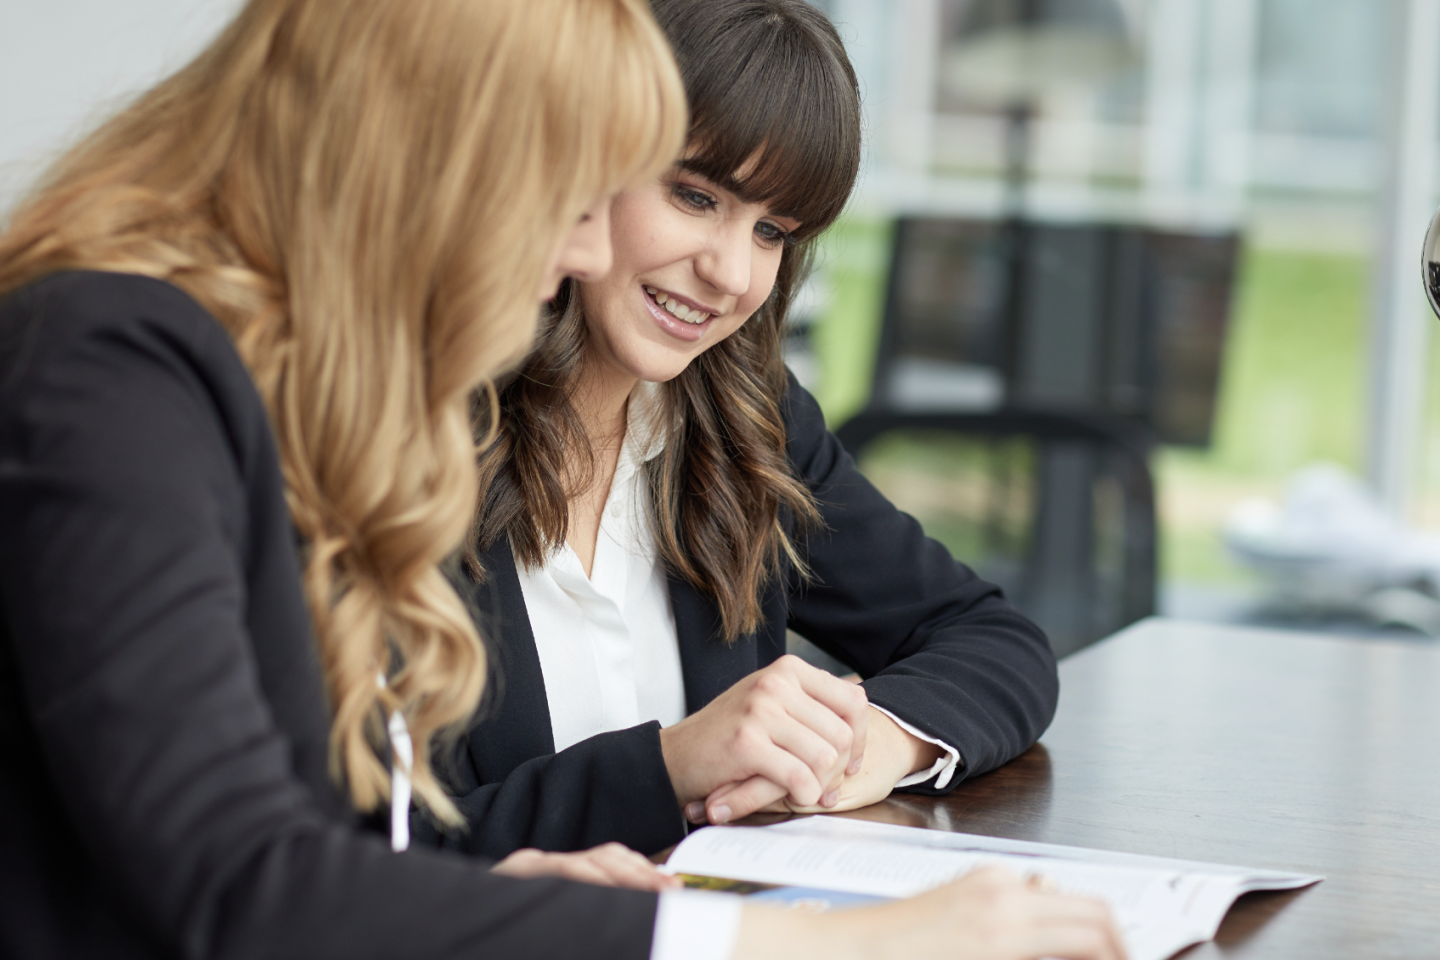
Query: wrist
x,y
672,751
913,753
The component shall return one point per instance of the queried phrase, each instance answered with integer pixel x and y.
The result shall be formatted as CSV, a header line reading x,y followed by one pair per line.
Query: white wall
x,y
66,64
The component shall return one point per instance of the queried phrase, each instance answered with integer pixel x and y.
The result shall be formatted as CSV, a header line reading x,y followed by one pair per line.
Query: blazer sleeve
x,y
936,645
612,787
123,583
514,789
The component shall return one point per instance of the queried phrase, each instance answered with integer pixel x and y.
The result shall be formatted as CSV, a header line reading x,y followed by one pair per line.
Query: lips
x,y
667,318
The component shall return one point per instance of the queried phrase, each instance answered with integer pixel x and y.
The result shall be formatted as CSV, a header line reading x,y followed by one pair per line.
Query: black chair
x,y
1039,364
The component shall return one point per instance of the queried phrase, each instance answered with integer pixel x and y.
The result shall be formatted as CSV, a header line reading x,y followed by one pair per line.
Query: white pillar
x,y
1230,52
910,113
1173,29
865,28
1400,325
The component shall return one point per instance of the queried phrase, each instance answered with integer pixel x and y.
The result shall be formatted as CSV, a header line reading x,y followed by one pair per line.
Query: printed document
x,y
1160,905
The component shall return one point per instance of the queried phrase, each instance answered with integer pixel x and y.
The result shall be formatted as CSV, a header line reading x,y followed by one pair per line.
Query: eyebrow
x,y
729,184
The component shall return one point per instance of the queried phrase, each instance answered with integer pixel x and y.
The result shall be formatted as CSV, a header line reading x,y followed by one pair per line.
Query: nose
x,y
587,255
724,263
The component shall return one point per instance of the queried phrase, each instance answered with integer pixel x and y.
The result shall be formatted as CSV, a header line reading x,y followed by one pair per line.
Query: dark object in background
x,y
1037,386
1430,263
1112,320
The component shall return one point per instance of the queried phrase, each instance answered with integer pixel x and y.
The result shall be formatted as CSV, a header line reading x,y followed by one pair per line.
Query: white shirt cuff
x,y
944,767
694,925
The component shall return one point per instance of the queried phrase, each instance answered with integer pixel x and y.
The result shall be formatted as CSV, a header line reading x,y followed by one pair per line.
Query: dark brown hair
x,y
766,79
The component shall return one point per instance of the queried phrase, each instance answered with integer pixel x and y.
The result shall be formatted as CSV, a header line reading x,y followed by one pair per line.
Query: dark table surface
x,y
1253,747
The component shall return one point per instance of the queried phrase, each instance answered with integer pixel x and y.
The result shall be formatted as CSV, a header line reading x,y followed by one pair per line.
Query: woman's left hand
x,y
891,755
608,865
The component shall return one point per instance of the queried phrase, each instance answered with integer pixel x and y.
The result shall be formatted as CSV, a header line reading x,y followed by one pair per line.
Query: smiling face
x,y
692,262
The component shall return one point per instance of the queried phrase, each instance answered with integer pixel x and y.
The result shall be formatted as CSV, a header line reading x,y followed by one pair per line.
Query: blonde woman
x,y
249,315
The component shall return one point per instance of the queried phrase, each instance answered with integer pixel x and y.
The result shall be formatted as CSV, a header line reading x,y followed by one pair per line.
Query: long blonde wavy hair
x,y
366,194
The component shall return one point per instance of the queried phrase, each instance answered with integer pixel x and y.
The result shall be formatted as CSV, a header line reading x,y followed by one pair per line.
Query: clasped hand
x,y
789,737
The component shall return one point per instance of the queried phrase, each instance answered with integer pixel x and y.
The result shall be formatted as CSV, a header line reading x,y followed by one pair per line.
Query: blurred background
x,y
1239,189
1127,307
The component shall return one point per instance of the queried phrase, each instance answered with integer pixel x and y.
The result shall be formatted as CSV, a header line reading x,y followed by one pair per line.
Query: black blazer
x,y
937,646
163,722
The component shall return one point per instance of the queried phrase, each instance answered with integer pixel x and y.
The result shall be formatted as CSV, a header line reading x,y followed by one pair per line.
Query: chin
x,y
658,368
660,374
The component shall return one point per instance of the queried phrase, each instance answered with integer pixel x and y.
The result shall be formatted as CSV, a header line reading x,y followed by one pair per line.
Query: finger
x,y
756,752
626,868
721,793
827,724
736,800
530,863
992,876
845,700
1040,883
825,765
1078,926
776,691
1074,941
527,862
582,868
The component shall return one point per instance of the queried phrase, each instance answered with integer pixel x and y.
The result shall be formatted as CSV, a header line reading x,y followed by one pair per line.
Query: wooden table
x,y
1255,747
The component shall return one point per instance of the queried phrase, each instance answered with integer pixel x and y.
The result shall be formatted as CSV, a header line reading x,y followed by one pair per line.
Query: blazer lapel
x,y
514,722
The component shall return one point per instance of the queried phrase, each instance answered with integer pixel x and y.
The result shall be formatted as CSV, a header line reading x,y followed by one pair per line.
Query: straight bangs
x,y
772,98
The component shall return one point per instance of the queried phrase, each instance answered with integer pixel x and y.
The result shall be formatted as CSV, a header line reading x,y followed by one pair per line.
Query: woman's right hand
x,y
608,865
989,914
790,723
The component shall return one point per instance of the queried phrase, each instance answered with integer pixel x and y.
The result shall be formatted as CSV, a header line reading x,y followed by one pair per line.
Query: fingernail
x,y
830,799
721,814
855,766
695,812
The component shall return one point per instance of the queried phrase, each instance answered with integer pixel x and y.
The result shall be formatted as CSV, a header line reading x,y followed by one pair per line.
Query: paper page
x,y
847,828
1161,906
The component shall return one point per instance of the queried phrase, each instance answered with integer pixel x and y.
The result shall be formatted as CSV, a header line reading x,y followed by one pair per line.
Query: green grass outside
x,y
855,257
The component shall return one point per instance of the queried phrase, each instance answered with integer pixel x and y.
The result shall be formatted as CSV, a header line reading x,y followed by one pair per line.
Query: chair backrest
x,y
1096,318
1058,509
1061,354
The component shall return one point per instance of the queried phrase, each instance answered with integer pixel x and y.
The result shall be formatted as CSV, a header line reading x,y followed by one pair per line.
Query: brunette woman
x,y
663,501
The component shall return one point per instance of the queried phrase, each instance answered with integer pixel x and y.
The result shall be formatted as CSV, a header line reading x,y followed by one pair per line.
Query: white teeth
x,y
677,309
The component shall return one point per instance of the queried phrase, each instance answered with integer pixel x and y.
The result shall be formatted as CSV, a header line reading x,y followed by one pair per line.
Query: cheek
x,y
763,271
636,228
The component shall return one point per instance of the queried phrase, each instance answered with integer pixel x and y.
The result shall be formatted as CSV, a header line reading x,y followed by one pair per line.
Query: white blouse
x,y
610,656
607,643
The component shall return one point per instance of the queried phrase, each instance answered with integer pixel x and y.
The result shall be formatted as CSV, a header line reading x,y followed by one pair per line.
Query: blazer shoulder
x,y
48,317
133,331
805,431
131,356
